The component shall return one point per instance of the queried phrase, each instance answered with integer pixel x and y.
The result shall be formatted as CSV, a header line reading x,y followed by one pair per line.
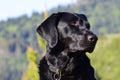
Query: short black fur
x,y
68,39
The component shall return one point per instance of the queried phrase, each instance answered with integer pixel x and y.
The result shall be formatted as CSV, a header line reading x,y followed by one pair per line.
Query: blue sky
x,y
15,8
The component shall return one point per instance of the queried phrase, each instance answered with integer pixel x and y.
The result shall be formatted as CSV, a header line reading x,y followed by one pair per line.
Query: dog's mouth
x,y
86,48
90,48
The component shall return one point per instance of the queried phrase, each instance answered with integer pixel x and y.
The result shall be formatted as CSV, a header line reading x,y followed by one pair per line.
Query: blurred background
x,y
21,47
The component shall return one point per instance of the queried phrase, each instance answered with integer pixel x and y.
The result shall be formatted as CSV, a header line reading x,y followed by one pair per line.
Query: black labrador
x,y
68,38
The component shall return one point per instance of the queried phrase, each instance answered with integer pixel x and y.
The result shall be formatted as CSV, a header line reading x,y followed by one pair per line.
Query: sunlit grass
x,y
106,57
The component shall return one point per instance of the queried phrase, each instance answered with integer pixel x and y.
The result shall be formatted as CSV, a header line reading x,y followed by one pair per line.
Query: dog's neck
x,y
63,57
60,50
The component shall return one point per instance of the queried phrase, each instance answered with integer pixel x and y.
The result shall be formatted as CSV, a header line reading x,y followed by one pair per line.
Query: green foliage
x,y
16,34
106,57
41,43
32,72
104,17
12,66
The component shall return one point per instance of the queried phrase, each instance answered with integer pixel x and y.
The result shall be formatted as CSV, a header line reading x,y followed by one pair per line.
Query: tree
x,y
32,72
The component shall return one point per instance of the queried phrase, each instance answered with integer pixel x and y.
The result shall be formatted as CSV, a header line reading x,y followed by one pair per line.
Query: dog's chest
x,y
70,66
76,64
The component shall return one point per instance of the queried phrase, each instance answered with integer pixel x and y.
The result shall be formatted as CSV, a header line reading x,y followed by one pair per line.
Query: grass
x,y
106,56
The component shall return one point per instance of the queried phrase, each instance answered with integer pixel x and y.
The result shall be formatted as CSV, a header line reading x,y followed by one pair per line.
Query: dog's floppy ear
x,y
48,30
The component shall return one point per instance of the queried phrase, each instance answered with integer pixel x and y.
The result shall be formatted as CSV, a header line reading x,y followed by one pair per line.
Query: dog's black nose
x,y
92,38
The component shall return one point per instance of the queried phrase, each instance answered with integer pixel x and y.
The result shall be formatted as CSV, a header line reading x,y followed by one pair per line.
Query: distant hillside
x,y
18,33
103,15
106,57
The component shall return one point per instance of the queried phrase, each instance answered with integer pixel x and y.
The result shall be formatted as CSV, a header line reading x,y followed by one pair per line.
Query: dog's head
x,y
72,29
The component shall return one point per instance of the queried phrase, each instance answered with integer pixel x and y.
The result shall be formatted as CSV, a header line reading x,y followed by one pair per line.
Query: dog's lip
x,y
80,51
90,48
76,50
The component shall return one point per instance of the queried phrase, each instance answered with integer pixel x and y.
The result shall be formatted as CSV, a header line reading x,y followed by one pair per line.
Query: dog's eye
x,y
74,23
